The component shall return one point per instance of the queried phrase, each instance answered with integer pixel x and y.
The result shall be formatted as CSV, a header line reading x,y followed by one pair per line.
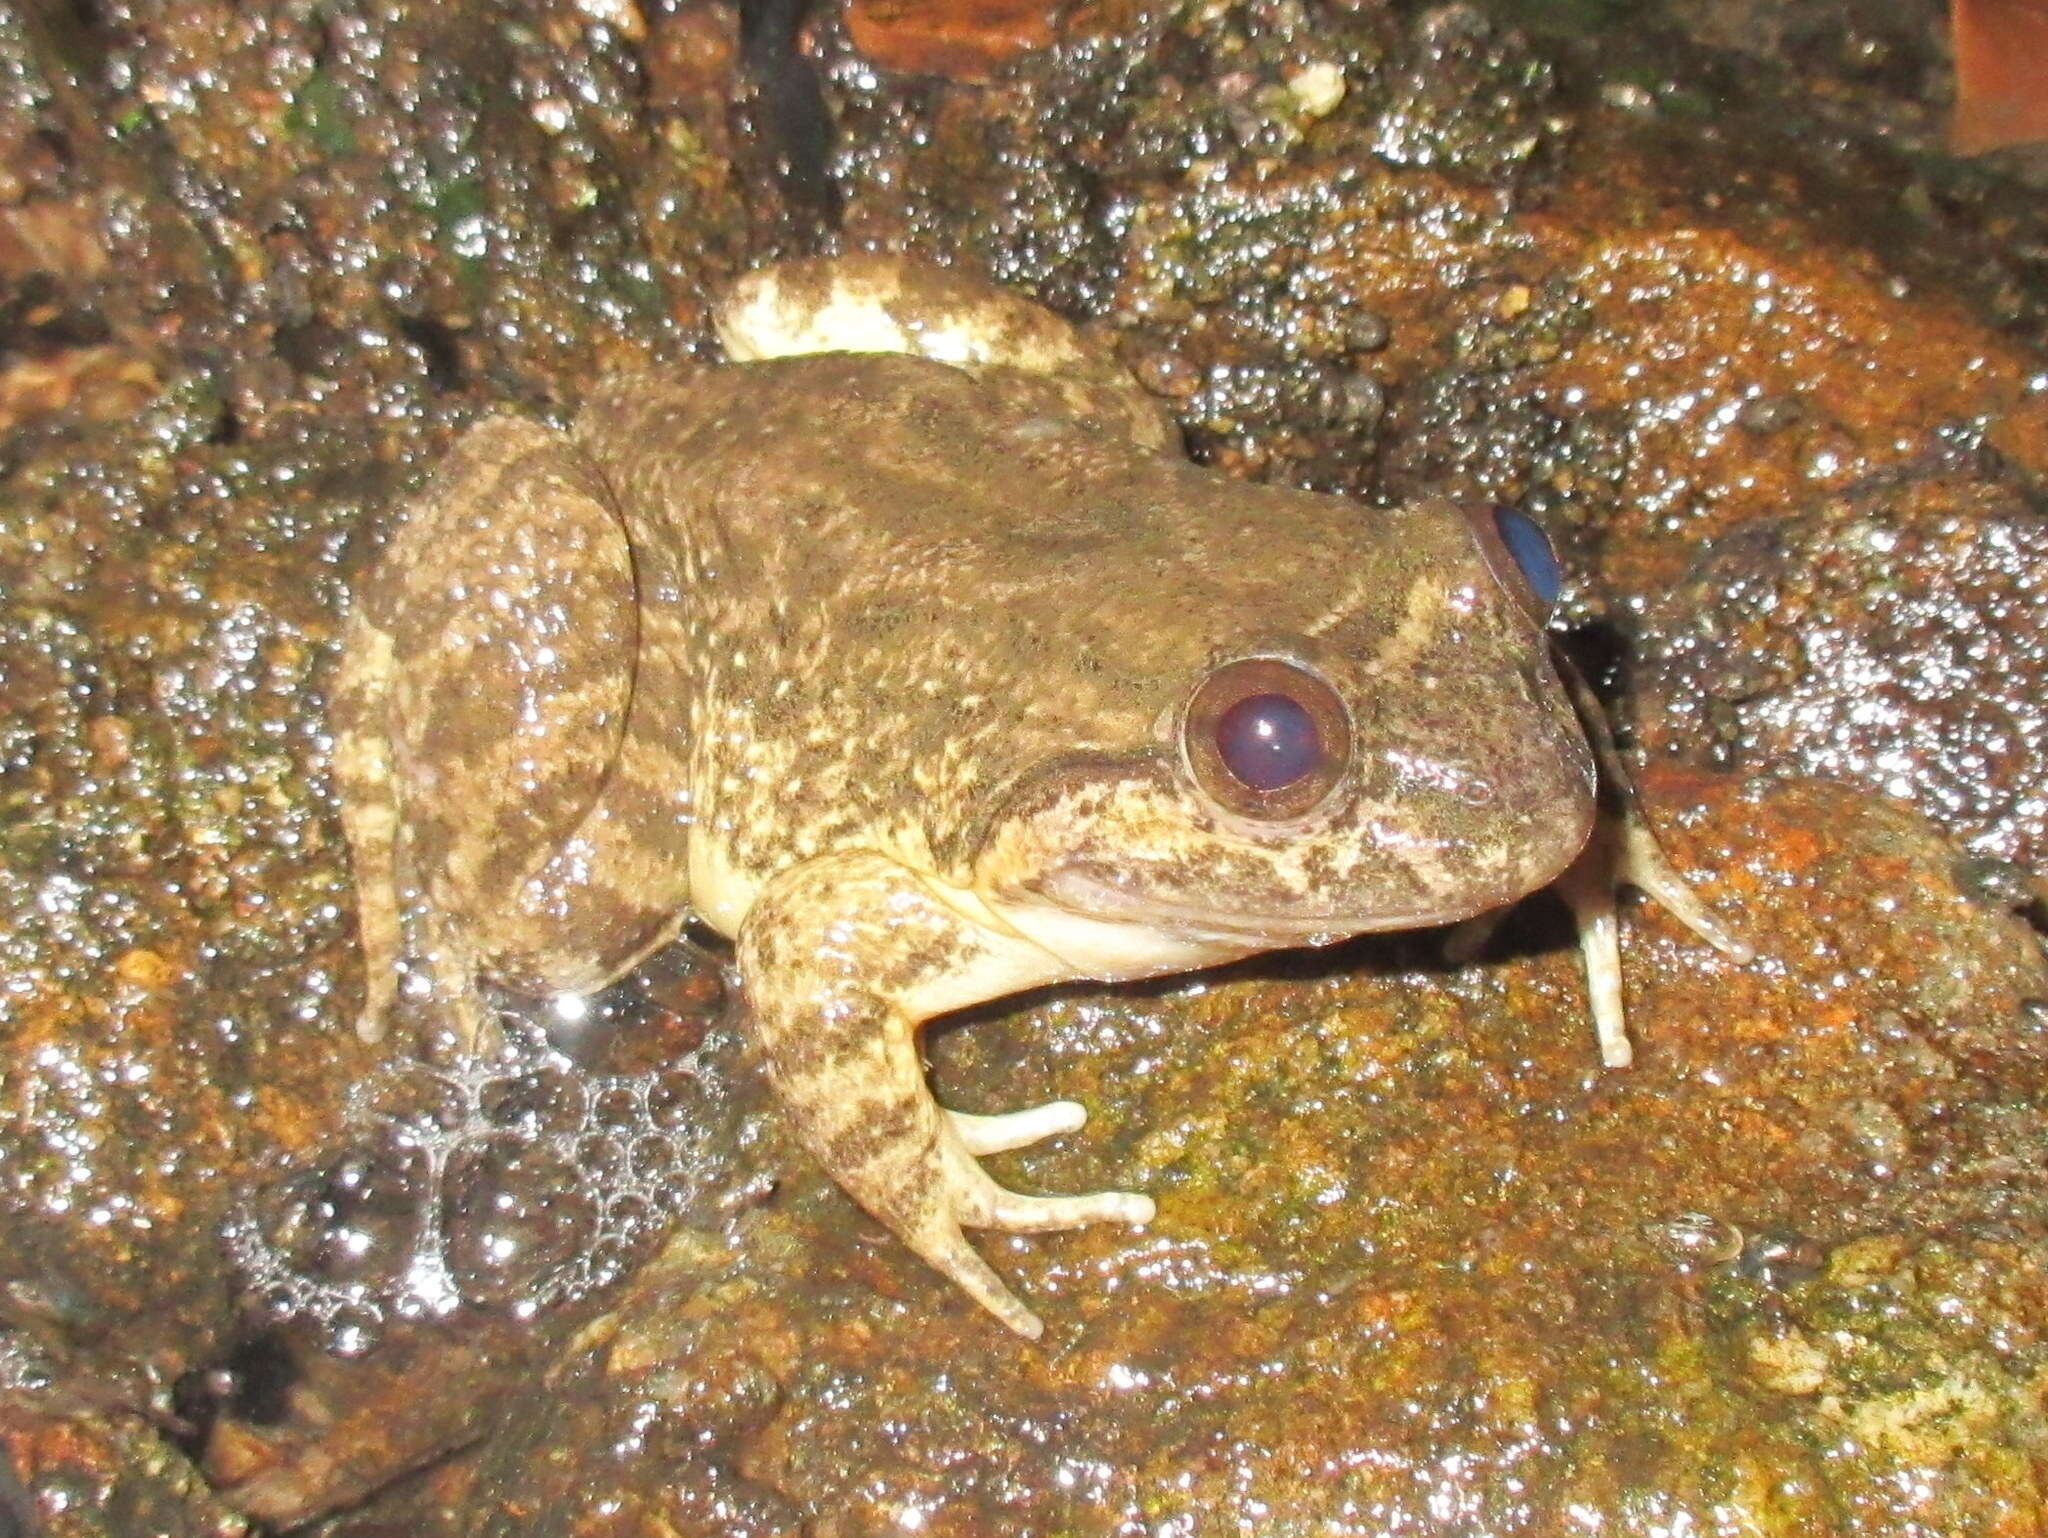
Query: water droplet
x,y
354,1332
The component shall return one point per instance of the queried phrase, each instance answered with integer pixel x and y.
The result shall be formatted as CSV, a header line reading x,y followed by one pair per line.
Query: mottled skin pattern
x,y
876,665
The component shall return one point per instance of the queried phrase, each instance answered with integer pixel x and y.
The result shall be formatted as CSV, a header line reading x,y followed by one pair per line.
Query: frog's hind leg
x,y
481,713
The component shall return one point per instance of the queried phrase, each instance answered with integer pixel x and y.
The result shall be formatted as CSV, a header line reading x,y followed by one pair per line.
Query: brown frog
x,y
922,665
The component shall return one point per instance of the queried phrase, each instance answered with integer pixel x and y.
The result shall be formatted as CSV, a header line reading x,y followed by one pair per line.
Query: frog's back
x,y
881,572
900,504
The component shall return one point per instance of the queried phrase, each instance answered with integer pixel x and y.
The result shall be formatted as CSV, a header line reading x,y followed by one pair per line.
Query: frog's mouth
x,y
1078,893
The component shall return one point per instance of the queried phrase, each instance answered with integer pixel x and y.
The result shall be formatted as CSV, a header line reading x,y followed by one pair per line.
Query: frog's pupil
x,y
1268,741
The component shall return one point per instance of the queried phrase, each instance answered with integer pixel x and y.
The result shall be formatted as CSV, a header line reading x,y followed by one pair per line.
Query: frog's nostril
x,y
1268,741
1265,737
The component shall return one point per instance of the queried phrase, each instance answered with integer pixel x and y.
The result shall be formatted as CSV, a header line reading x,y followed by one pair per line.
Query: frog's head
x,y
1405,756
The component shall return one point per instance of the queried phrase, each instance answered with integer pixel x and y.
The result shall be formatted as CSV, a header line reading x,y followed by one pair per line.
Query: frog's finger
x,y
1642,864
1017,1129
1588,889
1013,1212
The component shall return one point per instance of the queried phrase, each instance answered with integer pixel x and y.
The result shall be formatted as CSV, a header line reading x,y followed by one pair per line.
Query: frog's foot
x,y
929,1195
1624,850
878,303
1017,1129
960,1194
844,957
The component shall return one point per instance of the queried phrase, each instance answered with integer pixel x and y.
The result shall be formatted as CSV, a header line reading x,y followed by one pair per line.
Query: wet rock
x,y
84,1475
1417,1255
1896,637
1406,1221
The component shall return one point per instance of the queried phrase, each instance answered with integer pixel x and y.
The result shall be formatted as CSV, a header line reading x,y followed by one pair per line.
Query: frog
x,y
906,649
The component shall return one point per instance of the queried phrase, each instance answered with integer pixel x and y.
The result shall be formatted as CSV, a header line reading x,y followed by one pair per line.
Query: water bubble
x,y
512,1211
354,1332
513,1182
409,1096
280,1303
533,1103
618,1104
652,1159
353,1221
1690,1239
599,1158
613,1256
630,1214
675,1098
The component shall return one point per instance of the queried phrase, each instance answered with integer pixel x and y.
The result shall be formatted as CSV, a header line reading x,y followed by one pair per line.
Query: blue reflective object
x,y
1530,546
1269,741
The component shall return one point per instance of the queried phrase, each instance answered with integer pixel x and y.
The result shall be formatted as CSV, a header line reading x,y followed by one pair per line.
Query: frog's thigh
x,y
511,617
844,957
877,302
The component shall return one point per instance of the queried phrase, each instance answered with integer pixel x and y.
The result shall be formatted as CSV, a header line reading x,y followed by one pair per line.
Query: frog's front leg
x,y
844,958
1624,849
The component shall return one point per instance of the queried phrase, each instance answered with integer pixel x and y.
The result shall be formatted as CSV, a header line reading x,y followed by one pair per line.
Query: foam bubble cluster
x,y
514,1183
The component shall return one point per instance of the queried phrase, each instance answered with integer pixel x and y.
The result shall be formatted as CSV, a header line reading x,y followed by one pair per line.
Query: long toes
x,y
1017,1129
1019,1214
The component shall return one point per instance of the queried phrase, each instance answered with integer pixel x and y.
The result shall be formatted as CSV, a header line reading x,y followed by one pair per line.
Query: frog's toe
x,y
943,1247
1017,1129
370,1024
978,1202
963,1196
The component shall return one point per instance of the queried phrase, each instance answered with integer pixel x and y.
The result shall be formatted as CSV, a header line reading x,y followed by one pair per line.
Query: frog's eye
x,y
1265,738
1521,558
